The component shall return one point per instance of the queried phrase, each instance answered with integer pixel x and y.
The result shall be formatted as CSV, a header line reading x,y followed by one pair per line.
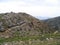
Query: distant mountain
x,y
42,18
54,23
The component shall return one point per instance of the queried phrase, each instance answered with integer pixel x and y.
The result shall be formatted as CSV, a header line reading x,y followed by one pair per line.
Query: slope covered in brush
x,y
22,24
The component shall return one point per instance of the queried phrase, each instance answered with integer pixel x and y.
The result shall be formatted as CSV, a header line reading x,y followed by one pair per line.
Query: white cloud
x,y
52,1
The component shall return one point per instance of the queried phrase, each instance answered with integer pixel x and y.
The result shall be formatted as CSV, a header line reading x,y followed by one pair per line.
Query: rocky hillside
x,y
54,23
24,29
22,24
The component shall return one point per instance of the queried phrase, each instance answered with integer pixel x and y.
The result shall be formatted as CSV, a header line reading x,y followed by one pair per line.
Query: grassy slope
x,y
56,40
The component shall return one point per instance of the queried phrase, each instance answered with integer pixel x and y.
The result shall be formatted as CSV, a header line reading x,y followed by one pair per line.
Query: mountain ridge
x,y
53,23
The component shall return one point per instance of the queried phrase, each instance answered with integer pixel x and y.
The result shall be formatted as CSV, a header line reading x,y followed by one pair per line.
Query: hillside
x,y
11,23
24,29
54,23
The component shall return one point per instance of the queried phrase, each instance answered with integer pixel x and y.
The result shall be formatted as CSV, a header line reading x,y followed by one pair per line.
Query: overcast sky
x,y
44,8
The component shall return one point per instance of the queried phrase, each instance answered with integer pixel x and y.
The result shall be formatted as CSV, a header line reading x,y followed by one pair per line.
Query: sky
x,y
43,8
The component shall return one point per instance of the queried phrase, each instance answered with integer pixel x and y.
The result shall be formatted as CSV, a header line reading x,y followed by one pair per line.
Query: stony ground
x,y
33,42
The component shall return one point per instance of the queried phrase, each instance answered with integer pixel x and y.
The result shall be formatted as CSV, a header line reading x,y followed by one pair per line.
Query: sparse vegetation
x,y
23,29
41,40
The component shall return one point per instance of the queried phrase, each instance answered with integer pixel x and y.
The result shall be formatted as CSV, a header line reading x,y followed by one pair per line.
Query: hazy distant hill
x,y
42,18
54,23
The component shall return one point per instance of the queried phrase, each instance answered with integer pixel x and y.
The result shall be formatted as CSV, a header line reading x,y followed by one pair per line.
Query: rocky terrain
x,y
11,23
24,29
